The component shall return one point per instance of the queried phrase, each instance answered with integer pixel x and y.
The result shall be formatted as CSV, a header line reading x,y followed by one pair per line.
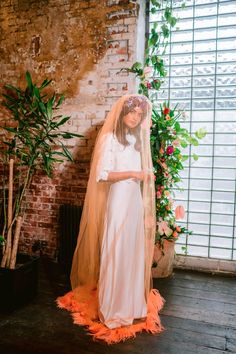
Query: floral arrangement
x,y
168,138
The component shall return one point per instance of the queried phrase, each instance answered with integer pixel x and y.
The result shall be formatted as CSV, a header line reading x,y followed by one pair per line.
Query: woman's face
x,y
133,118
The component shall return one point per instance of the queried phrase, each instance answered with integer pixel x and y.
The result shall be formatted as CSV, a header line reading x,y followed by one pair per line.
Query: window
x,y
201,65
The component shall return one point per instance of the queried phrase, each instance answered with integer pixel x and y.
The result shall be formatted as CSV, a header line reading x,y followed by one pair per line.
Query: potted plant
x,y
33,141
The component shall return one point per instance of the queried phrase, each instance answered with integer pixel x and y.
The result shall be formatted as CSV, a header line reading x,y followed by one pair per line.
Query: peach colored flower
x,y
179,212
161,151
164,165
175,234
167,193
167,117
163,228
178,229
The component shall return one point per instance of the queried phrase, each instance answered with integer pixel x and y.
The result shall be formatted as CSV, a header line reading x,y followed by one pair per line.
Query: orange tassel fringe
x,y
83,314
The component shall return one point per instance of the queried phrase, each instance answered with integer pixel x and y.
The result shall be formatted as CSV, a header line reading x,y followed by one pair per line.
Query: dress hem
x,y
82,316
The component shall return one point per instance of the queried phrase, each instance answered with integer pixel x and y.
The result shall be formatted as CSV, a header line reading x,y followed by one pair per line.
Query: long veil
x,y
86,260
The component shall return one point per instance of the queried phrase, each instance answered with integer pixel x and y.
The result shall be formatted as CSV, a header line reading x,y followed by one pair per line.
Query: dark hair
x,y
129,105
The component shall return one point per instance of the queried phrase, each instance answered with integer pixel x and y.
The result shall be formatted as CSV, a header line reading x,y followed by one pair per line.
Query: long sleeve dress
x,y
109,311
121,281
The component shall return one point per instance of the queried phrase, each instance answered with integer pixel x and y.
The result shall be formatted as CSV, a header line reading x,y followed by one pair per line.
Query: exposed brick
x,y
82,49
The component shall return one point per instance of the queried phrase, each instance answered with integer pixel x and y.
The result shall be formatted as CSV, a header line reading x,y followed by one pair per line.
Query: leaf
x,y
42,108
61,99
153,39
165,31
136,66
177,126
67,153
29,81
183,144
200,133
184,157
193,141
154,10
9,129
13,88
63,121
49,105
67,135
36,92
45,83
195,157
173,21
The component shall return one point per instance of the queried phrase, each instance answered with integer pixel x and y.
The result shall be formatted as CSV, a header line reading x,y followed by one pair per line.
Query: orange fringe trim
x,y
82,315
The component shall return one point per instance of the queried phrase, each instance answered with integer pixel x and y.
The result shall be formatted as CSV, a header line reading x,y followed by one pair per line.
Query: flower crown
x,y
140,101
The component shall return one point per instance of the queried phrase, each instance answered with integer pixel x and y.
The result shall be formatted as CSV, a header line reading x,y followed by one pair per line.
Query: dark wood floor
x,y
199,316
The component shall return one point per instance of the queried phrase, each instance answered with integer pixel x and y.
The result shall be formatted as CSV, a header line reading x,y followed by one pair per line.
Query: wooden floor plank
x,y
199,327
207,285
195,303
211,295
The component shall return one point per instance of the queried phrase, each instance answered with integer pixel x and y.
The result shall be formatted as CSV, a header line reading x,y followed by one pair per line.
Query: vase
x,y
19,285
164,262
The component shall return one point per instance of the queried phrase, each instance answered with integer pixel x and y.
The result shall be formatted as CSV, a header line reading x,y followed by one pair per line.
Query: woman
x,y
111,271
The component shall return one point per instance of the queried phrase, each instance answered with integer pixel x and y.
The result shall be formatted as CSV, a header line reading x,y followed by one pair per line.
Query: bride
x,y
111,280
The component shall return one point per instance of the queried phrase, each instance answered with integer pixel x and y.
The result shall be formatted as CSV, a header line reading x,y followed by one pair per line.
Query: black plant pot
x,y
19,285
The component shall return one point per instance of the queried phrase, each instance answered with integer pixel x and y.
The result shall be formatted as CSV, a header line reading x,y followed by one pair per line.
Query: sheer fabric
x,y
93,256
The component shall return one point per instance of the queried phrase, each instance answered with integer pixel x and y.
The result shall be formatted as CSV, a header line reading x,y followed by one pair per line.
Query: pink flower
x,y
169,150
179,212
176,142
148,85
163,228
158,194
147,70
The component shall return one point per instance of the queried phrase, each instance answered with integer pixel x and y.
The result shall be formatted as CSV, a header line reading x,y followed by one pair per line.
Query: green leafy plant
x,y
33,141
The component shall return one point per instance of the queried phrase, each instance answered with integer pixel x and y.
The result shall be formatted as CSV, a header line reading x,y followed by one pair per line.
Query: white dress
x,y
121,280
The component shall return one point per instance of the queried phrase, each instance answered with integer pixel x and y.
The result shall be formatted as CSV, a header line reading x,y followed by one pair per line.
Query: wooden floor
x,y
199,316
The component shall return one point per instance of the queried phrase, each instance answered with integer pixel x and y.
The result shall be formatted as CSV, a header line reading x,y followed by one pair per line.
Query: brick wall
x,y
81,45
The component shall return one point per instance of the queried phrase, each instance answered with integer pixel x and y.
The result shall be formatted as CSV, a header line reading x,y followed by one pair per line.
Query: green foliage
x,y
168,138
34,138
167,141
2,240
36,134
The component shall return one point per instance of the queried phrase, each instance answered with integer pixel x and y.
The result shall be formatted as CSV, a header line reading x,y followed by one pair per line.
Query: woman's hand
x,y
144,175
